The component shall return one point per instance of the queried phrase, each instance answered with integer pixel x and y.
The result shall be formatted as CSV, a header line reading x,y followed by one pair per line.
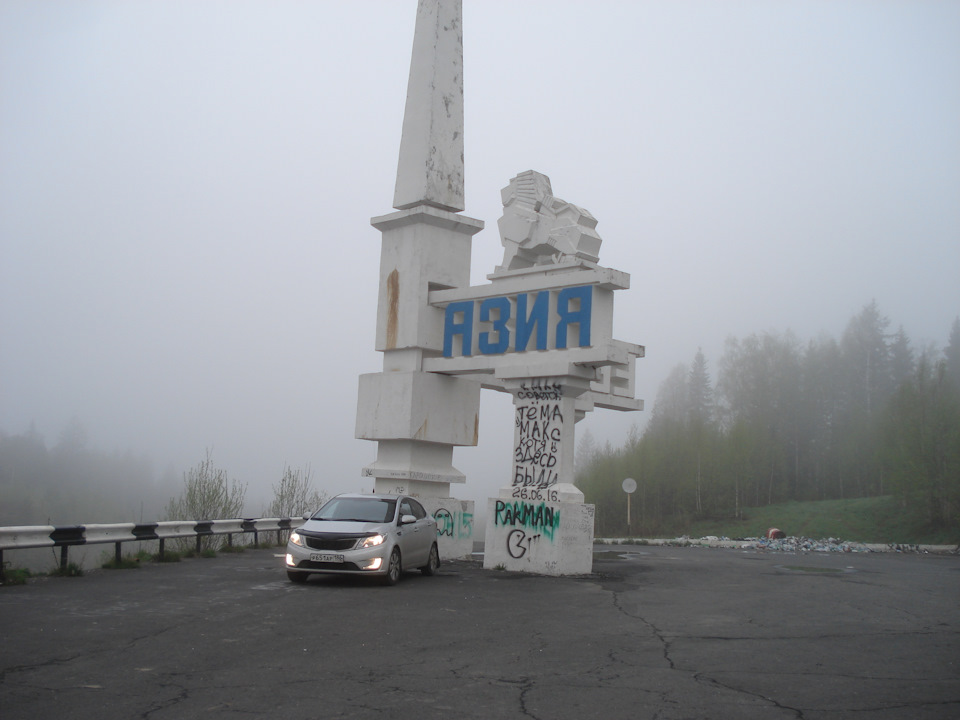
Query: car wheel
x,y
296,576
394,568
433,562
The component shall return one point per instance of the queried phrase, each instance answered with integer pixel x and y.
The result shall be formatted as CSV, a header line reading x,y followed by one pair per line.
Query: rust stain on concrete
x,y
422,431
393,308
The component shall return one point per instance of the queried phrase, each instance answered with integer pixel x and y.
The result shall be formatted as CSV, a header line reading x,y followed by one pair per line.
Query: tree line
x,y
70,483
863,416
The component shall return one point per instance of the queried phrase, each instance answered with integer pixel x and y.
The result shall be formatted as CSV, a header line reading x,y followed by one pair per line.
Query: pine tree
x,y
867,359
699,391
901,358
952,355
585,452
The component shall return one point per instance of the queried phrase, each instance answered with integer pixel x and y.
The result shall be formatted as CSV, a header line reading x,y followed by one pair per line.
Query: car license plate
x,y
326,557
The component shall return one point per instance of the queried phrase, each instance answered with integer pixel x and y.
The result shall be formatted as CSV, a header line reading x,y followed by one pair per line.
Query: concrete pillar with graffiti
x,y
539,523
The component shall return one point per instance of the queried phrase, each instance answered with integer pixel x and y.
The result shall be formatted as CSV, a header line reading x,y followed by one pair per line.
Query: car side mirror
x,y
407,519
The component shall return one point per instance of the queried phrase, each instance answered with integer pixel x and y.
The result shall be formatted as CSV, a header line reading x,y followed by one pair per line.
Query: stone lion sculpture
x,y
539,229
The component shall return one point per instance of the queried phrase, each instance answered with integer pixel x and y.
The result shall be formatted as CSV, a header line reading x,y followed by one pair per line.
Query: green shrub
x,y
16,576
208,494
127,562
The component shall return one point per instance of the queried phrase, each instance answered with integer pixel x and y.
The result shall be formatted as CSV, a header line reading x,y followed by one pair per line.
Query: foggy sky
x,y
186,259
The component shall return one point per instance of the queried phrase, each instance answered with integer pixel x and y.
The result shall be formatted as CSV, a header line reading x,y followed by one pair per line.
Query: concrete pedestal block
x,y
422,249
411,467
455,530
418,406
537,536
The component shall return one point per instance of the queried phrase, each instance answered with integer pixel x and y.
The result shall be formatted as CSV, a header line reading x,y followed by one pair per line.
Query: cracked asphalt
x,y
654,632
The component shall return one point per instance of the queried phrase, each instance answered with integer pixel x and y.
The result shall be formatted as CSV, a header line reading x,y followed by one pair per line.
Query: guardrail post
x,y
2,580
229,539
198,544
63,558
256,538
116,554
160,552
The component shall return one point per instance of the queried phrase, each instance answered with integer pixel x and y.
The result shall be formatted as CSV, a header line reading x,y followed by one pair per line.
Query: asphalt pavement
x,y
653,632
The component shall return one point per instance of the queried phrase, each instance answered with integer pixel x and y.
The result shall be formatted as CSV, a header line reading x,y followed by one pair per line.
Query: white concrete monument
x,y
541,330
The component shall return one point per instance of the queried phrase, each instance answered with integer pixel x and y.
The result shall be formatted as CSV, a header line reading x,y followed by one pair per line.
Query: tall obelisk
x,y
416,417
430,170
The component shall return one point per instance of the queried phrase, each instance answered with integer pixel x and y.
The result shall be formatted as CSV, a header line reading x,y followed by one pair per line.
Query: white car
x,y
381,535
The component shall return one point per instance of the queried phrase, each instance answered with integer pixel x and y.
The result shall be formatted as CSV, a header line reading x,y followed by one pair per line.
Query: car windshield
x,y
375,510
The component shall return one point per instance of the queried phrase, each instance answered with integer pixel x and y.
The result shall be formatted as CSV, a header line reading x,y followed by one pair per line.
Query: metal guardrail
x,y
38,536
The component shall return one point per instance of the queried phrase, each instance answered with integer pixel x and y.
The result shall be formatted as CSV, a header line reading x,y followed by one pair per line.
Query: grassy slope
x,y
879,520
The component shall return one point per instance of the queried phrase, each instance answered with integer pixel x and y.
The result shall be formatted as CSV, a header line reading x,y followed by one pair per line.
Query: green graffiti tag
x,y
540,517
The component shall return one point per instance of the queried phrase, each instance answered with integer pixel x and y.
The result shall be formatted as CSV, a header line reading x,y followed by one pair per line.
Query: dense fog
x,y
186,259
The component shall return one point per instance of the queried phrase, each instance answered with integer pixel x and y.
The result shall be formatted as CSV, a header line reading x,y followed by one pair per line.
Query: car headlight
x,y
296,539
371,541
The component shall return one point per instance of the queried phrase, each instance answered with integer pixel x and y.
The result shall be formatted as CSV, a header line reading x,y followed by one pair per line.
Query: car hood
x,y
341,526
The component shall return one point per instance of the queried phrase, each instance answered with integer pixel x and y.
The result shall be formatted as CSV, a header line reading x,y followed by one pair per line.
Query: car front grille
x,y
329,543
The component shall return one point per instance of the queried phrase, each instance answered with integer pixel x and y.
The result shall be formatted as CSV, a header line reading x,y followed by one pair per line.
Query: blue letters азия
x,y
509,323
